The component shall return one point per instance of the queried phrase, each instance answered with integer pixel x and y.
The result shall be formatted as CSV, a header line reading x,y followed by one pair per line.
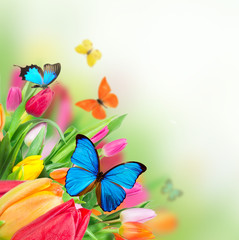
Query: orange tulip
x,y
59,175
135,231
2,121
26,202
118,237
165,222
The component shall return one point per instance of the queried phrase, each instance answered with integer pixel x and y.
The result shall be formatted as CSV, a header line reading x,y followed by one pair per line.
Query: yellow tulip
x,y
26,202
32,167
2,121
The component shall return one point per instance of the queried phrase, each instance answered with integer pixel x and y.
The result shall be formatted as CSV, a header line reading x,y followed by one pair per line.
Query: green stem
x,y
91,234
110,230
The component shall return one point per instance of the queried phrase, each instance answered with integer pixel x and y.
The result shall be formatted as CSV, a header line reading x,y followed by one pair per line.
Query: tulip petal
x,y
23,190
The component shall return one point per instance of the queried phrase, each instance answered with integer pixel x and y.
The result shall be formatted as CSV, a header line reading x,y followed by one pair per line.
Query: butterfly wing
x,y
81,179
51,72
84,47
104,89
110,193
88,105
85,155
99,112
32,73
174,194
110,100
168,187
93,57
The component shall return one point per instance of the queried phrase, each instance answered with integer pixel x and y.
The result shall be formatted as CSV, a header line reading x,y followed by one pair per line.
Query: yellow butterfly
x,y
86,47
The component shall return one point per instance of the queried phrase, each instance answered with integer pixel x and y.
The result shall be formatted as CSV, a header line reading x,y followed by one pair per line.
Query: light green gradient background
x,y
174,66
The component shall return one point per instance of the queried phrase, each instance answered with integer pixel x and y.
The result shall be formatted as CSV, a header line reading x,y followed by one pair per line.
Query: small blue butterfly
x,y
87,175
41,78
172,193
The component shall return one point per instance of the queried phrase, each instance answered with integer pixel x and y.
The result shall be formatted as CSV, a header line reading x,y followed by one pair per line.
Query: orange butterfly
x,y
105,99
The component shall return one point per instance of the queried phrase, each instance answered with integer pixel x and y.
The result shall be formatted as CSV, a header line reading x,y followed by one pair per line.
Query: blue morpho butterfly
x,y
169,189
41,78
87,175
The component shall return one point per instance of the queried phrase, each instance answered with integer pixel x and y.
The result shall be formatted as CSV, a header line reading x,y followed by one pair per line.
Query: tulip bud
x,y
140,215
114,147
32,168
31,135
39,103
59,175
101,134
14,98
135,230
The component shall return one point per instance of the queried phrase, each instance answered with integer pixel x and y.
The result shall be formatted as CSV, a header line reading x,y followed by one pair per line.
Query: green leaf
x,y
113,123
13,154
112,216
48,121
144,204
37,143
14,175
53,166
16,117
90,200
69,136
1,222
5,148
91,234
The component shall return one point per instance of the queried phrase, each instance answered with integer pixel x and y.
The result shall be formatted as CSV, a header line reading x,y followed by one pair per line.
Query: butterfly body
x,y
93,55
105,99
41,78
87,175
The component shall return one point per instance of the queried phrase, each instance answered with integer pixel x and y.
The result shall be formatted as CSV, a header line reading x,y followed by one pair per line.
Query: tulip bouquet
x,y
34,203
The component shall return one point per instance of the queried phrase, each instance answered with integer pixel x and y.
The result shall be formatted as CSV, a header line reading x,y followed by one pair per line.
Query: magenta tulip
x,y
112,148
14,98
39,103
101,134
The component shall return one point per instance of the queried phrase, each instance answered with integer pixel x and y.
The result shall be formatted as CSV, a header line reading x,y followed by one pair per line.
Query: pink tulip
x,y
16,80
135,196
107,163
140,215
112,148
39,103
14,98
101,134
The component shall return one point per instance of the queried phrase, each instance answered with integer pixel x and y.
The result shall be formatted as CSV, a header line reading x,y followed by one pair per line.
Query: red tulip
x,y
62,222
39,103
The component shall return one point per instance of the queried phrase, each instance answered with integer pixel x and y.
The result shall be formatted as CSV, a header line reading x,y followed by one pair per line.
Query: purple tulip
x,y
140,215
14,98
112,148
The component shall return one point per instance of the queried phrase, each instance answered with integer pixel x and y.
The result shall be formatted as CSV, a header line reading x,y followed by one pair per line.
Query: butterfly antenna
x,y
14,65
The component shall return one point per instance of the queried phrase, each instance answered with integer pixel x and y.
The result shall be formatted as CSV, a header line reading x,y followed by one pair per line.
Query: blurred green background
x,y
174,67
